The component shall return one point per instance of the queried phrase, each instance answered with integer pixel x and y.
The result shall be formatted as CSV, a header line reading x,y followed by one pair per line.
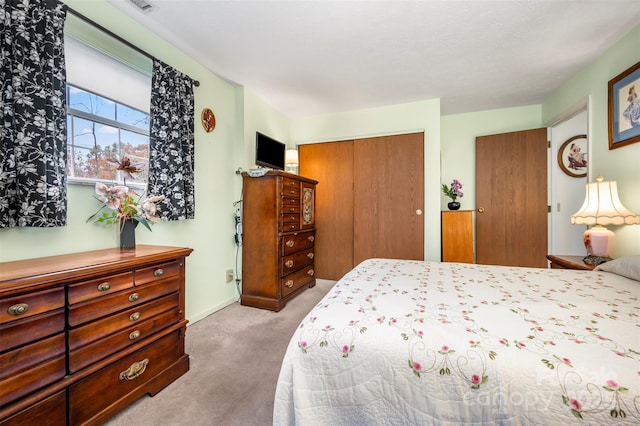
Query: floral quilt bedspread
x,y
412,342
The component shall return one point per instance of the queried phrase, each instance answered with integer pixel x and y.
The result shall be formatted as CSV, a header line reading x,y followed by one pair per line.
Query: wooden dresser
x,y
457,236
278,238
84,335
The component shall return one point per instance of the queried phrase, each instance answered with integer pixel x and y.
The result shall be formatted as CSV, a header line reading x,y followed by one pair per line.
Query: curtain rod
x,y
117,37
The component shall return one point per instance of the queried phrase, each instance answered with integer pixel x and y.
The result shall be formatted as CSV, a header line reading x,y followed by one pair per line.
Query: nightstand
x,y
569,262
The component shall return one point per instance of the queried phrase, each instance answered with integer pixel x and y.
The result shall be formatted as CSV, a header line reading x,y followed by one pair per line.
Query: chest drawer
x,y
51,411
294,281
296,242
98,308
290,188
290,222
100,287
295,261
31,367
30,329
19,307
103,388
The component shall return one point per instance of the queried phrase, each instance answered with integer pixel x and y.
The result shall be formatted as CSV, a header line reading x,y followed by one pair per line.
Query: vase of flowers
x,y
125,208
453,191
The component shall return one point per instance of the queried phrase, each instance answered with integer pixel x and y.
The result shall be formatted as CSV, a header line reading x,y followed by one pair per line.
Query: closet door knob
x,y
480,209
418,212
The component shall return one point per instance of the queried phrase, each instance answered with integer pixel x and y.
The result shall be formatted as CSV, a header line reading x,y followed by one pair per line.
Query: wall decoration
x,y
208,120
624,108
572,156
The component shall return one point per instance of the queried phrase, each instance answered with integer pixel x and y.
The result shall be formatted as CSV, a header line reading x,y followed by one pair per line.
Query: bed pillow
x,y
628,266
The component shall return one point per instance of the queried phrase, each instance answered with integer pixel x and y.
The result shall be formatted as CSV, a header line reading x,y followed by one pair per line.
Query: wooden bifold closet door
x,y
369,200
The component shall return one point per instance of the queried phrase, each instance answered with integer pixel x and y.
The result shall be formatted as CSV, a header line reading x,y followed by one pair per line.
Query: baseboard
x,y
202,315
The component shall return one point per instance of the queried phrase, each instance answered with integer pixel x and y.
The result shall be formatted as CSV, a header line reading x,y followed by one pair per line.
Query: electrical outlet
x,y
229,275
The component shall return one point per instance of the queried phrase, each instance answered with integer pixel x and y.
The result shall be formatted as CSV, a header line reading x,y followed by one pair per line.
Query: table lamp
x,y
601,207
291,160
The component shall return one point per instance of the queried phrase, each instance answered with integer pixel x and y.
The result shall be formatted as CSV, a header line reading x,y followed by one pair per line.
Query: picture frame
x,y
624,108
572,156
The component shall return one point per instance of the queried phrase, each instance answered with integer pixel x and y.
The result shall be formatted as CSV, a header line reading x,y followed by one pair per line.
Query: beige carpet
x,y
236,355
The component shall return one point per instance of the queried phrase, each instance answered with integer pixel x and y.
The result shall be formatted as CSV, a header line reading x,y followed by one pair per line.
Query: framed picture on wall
x,y
572,156
624,108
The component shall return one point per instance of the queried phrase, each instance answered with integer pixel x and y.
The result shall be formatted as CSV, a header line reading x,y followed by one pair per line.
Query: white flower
x,y
111,196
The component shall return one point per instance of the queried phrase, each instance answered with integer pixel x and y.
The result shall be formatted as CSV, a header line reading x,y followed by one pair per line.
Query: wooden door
x,y
331,164
388,197
511,198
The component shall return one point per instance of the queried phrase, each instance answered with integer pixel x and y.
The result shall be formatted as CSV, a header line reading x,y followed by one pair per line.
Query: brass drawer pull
x,y
134,335
135,370
289,283
292,226
292,219
133,297
134,316
292,209
18,309
104,286
311,238
310,255
158,272
292,191
311,272
290,243
289,263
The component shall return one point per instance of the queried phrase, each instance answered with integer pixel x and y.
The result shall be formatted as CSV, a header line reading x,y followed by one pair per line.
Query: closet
x,y
369,200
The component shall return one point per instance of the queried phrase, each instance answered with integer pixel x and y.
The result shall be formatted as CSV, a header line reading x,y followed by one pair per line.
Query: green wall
x,y
210,234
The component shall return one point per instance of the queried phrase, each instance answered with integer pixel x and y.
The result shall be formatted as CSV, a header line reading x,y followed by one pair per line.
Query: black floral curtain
x,y
171,145
33,183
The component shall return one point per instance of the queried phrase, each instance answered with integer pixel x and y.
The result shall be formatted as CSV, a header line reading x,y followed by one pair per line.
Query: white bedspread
x,y
399,342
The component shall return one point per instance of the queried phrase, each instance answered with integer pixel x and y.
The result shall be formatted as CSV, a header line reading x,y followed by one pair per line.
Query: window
x,y
101,130
108,96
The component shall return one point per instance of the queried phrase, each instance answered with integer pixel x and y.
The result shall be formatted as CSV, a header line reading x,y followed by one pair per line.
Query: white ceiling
x,y
321,56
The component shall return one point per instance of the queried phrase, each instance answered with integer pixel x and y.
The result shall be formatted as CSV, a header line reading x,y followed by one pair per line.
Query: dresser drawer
x,y
97,392
30,329
93,352
51,411
28,356
98,308
100,287
295,261
290,187
293,281
296,242
26,381
158,272
98,329
19,307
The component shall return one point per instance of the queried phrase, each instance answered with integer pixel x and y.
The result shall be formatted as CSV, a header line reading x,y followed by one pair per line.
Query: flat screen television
x,y
269,152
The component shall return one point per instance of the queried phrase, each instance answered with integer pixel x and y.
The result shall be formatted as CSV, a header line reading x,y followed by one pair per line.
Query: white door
x,y
567,192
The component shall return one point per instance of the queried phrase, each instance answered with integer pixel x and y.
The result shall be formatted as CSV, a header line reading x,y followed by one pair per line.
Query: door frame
x,y
553,178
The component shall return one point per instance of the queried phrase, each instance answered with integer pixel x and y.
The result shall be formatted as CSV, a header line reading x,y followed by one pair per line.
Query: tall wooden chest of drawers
x,y
278,222
83,335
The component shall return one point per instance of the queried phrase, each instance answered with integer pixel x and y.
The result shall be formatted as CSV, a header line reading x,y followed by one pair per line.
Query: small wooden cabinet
x,y
457,236
278,238
83,335
568,262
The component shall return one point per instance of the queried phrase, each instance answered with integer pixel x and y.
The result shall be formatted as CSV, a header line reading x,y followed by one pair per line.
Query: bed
x,y
400,342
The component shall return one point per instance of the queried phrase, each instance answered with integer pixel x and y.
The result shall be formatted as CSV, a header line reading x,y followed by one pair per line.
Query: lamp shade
x,y
291,157
602,206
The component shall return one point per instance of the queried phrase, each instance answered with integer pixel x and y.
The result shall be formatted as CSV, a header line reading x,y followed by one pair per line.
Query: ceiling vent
x,y
142,5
